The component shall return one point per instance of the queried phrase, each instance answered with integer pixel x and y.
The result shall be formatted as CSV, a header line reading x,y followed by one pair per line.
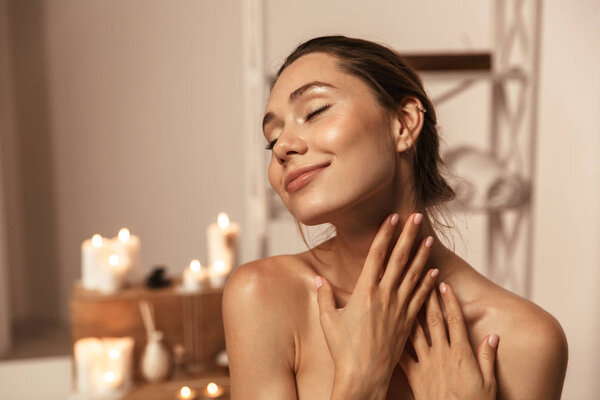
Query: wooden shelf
x,y
479,61
191,320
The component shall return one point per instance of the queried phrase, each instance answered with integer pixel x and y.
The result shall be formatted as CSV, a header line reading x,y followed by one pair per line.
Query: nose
x,y
287,145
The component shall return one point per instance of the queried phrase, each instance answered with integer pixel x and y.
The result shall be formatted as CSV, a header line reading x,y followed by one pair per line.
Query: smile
x,y
303,179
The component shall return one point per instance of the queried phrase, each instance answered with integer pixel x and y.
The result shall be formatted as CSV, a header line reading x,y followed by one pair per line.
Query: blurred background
x,y
146,115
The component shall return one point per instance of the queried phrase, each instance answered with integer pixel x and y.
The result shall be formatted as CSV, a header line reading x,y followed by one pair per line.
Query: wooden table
x,y
169,390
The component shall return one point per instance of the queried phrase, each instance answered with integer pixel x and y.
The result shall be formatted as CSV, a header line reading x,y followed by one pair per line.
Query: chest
x,y
315,368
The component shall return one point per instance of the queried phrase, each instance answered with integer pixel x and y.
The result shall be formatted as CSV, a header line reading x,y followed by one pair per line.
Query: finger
x,y
420,294
377,253
324,298
401,253
486,357
413,273
435,321
454,317
419,340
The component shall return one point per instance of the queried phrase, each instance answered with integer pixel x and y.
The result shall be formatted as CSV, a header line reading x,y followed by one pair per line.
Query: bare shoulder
x,y
260,332
533,351
261,286
269,279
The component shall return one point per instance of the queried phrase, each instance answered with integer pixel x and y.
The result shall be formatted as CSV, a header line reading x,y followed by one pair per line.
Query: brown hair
x,y
391,79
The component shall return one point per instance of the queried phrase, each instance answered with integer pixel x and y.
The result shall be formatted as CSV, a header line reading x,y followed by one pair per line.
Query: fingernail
x,y
394,219
429,241
318,282
435,273
418,218
443,287
493,340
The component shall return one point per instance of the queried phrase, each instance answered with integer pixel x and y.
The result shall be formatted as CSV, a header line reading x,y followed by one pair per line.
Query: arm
x,y
258,335
534,366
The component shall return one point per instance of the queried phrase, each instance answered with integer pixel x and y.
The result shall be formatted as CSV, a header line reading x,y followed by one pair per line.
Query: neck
x,y
344,255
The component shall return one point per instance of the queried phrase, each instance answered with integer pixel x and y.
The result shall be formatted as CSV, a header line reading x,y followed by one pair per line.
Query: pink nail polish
x,y
418,218
443,287
318,282
435,273
429,241
394,219
493,340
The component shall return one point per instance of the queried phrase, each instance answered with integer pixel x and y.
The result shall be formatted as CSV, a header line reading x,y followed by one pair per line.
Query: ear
x,y
408,123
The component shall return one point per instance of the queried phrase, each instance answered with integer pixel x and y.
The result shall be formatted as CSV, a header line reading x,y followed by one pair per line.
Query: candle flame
x,y
212,388
219,265
124,235
223,220
185,392
195,266
114,353
96,240
113,259
109,376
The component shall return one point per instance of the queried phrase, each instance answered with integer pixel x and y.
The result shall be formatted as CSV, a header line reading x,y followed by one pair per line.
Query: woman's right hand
x,y
366,338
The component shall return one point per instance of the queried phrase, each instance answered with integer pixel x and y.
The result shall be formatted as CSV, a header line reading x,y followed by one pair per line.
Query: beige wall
x,y
128,114
567,251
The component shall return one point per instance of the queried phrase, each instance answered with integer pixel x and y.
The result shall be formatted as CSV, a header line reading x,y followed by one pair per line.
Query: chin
x,y
310,212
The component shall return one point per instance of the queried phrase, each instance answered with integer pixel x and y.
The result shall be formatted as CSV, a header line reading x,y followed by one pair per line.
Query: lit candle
x,y
114,274
129,248
218,273
222,241
185,393
194,277
213,391
94,252
108,264
104,365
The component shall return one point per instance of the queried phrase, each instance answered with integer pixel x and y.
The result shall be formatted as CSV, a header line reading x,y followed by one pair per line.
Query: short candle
x,y
185,393
213,390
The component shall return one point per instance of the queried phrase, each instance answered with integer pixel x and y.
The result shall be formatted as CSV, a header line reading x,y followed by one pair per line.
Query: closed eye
x,y
317,111
307,118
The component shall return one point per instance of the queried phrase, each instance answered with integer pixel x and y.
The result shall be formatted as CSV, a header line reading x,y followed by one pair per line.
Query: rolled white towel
x,y
482,183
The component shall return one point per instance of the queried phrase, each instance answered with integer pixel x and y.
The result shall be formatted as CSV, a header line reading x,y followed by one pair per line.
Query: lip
x,y
295,174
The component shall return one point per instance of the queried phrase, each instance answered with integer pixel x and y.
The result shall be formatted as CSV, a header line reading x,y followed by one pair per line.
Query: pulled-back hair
x,y
390,77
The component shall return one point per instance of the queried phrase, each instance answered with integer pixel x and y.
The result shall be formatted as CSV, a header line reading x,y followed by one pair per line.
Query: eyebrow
x,y
295,95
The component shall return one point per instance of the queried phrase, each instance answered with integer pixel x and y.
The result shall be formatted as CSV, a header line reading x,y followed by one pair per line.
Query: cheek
x,y
274,175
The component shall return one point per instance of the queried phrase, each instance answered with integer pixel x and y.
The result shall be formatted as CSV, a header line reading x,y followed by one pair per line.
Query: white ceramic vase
x,y
155,364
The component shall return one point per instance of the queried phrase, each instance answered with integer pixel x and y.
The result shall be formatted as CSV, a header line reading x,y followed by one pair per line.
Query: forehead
x,y
312,67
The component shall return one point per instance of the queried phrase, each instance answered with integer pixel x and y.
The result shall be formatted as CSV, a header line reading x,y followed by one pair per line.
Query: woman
x,y
354,143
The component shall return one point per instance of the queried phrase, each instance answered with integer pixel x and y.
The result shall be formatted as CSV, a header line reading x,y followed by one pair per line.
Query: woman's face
x,y
322,116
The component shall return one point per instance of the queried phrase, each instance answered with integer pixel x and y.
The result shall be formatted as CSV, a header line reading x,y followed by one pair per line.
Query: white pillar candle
x,y
218,274
195,277
94,252
103,366
130,248
113,273
118,356
88,365
222,241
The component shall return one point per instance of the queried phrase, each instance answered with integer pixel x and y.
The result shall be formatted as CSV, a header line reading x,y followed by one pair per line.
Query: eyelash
x,y
306,119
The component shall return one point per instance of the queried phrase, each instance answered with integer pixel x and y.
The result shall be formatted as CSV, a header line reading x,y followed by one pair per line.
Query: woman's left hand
x,y
448,369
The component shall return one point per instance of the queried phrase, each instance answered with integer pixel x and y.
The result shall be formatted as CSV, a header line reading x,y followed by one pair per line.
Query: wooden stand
x,y
191,320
